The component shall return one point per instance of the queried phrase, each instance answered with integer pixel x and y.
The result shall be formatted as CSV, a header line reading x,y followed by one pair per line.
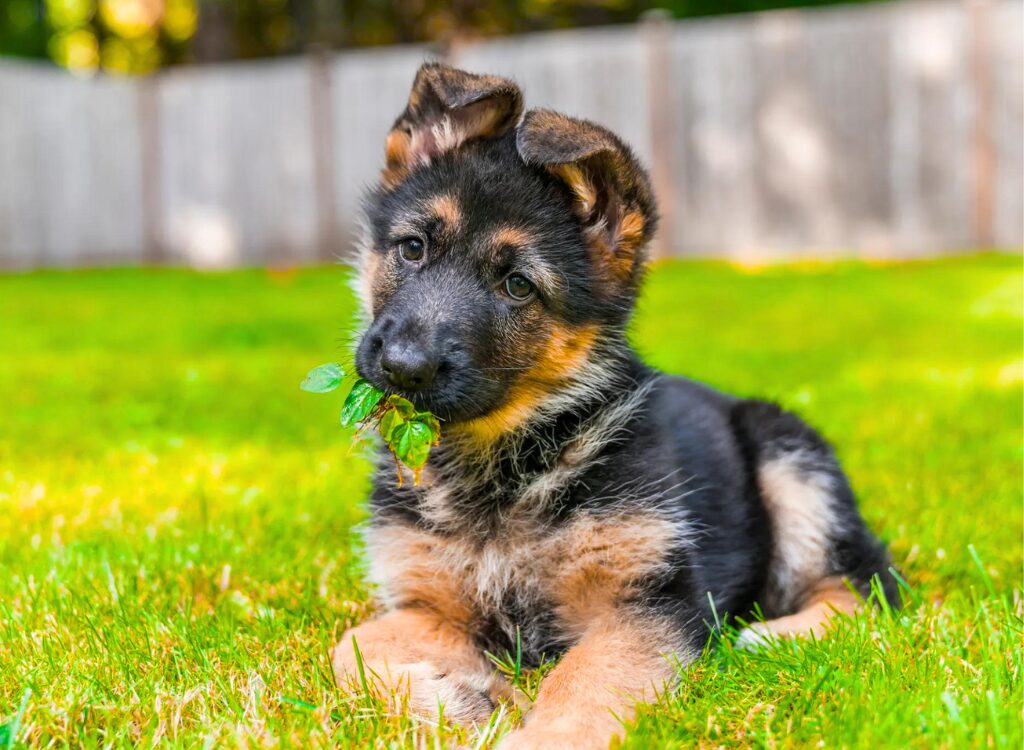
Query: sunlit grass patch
x,y
179,524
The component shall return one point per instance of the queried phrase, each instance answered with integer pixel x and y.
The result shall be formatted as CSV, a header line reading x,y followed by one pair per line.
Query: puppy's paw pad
x,y
755,638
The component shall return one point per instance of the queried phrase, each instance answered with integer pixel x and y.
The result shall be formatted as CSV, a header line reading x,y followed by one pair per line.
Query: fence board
x,y
713,116
369,89
1008,71
888,130
236,165
69,188
597,74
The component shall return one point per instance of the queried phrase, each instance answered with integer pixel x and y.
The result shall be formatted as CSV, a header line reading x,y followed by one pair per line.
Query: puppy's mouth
x,y
444,380
444,398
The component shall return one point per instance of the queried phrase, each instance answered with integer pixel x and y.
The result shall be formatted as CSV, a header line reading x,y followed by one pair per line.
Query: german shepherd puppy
x,y
578,501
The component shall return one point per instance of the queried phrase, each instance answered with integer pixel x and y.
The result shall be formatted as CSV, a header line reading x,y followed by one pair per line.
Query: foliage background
x,y
138,36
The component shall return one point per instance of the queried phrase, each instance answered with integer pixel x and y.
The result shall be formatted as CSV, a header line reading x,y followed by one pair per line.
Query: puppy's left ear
x,y
612,193
448,107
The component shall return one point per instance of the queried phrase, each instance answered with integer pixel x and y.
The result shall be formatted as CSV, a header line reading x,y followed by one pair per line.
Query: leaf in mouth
x,y
361,401
391,420
409,433
411,443
323,379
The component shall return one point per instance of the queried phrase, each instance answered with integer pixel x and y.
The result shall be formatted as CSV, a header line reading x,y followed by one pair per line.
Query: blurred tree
x,y
22,28
137,36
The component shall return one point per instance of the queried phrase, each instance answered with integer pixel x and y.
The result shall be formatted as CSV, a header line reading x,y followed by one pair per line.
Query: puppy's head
x,y
503,251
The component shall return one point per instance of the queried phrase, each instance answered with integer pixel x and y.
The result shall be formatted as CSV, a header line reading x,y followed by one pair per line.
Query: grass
x,y
176,518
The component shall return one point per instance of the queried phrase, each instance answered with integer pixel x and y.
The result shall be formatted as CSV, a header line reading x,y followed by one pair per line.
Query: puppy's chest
x,y
524,574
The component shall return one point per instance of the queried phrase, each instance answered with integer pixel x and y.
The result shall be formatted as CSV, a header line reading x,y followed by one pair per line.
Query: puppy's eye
x,y
412,249
518,287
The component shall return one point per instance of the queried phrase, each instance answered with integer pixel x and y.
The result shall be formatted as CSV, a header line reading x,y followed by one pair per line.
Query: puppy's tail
x,y
817,531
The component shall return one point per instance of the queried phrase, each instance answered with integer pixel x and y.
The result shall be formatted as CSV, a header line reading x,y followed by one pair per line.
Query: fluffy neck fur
x,y
526,476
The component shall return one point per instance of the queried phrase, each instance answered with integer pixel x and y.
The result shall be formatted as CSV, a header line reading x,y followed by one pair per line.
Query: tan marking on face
x,y
381,279
562,356
446,208
368,279
516,237
522,402
621,661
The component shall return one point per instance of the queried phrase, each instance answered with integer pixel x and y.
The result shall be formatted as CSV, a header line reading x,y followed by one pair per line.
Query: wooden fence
x,y
885,130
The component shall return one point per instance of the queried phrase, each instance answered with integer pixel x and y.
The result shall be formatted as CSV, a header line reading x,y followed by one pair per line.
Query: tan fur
x,y
631,228
521,404
471,106
581,705
586,569
396,157
377,280
411,568
827,599
799,504
613,194
515,237
563,354
605,564
581,186
368,279
613,240
446,208
418,661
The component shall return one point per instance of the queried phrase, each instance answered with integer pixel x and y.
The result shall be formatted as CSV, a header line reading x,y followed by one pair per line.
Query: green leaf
x,y
411,443
323,379
432,424
389,422
360,402
402,405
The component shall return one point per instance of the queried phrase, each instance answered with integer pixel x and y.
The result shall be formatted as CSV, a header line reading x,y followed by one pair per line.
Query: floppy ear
x,y
446,108
611,191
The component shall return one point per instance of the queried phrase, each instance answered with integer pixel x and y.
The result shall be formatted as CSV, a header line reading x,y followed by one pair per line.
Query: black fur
x,y
671,446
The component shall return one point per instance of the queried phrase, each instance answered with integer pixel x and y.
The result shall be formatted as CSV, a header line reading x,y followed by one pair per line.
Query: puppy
x,y
579,501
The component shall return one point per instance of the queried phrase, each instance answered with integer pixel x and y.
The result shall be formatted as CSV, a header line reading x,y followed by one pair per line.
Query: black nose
x,y
407,366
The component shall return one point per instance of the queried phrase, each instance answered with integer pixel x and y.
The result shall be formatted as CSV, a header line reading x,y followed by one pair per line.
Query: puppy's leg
x,y
418,659
827,599
819,539
595,687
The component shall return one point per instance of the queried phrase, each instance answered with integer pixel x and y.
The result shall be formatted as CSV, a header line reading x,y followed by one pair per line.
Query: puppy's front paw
x,y
425,691
563,733
530,739
462,698
755,637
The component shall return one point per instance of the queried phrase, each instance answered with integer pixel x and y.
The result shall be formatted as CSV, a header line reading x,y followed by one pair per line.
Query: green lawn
x,y
176,517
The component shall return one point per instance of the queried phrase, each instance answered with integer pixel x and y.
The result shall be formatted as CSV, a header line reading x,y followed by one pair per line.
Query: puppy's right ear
x,y
611,192
448,107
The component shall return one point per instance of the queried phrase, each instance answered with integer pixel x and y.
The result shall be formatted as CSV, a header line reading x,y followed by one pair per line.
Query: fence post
x,y
148,112
657,29
983,157
322,124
